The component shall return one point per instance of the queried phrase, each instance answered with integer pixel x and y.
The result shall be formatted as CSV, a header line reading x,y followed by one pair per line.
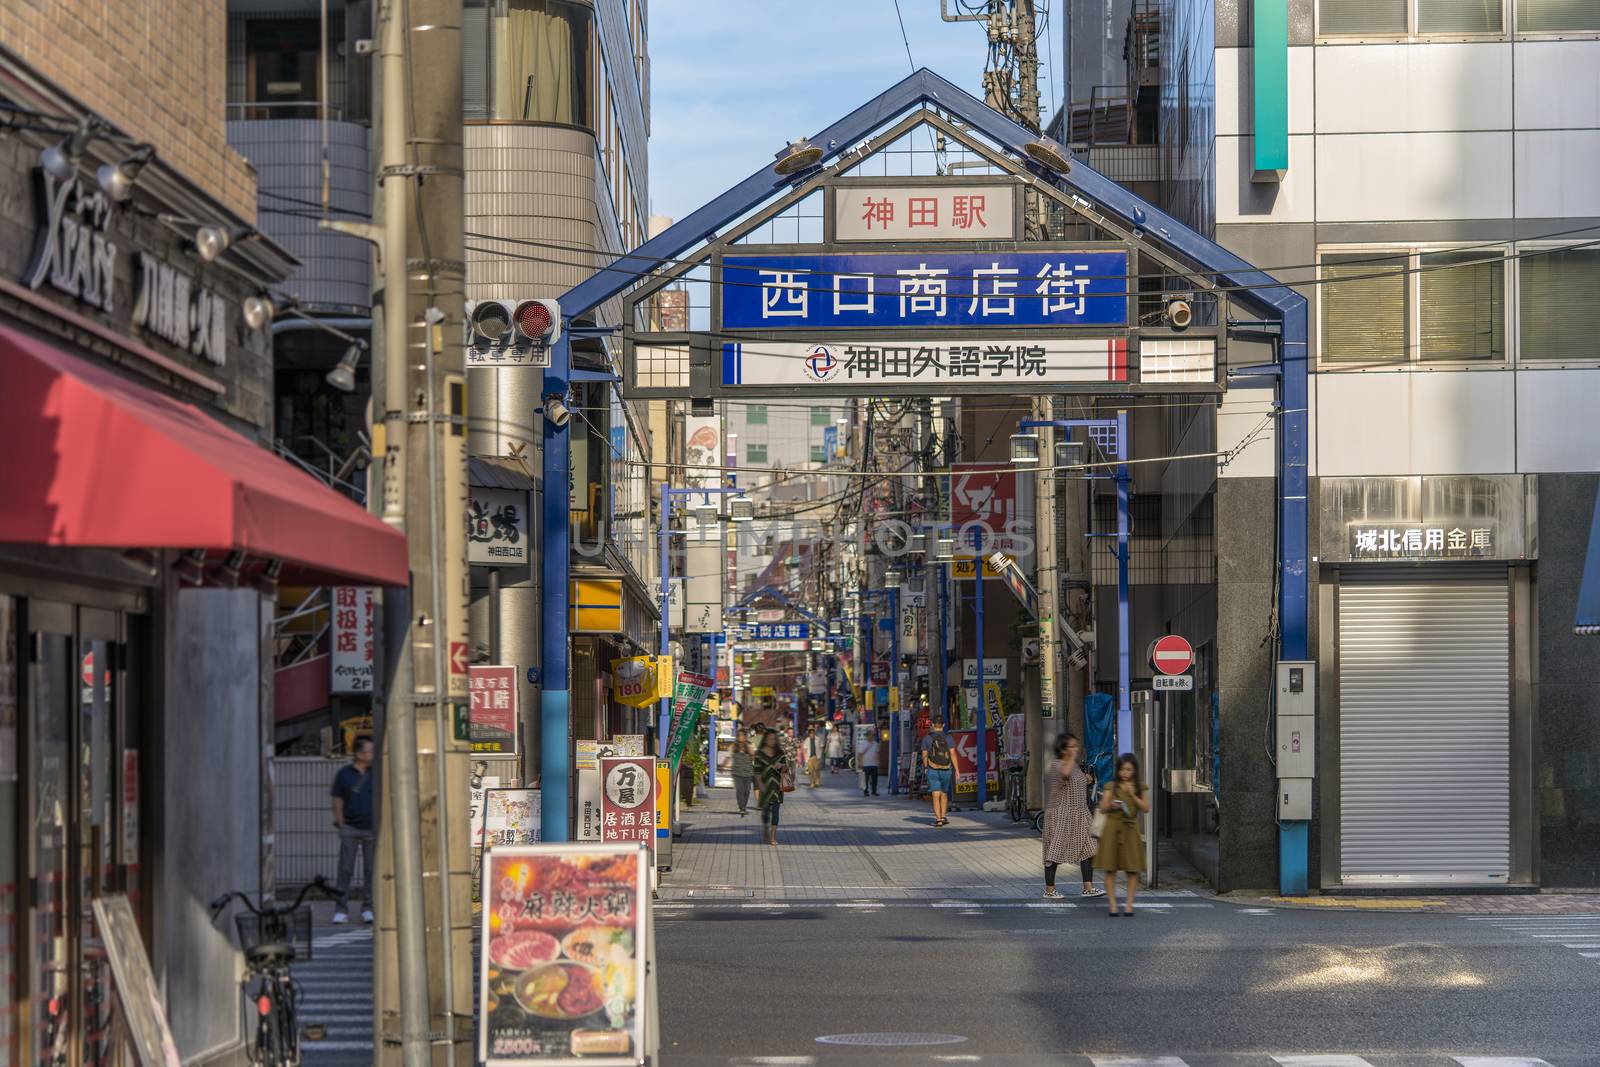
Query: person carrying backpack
x,y
940,771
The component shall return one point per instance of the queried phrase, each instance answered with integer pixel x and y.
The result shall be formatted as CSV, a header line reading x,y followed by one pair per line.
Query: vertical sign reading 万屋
x,y
351,662
628,799
492,716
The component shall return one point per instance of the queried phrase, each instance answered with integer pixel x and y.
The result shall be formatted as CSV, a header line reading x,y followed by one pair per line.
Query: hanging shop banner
x,y
510,817
586,757
978,212
355,613
995,704
704,587
1016,581
854,290
497,527
703,452
565,936
628,799
913,602
980,493
927,362
688,700
663,804
492,709
640,681
964,755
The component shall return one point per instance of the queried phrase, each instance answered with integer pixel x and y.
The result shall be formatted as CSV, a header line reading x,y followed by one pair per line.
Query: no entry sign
x,y
1171,654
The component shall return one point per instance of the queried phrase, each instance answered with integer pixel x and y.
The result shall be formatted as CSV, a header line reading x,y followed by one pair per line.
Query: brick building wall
x,y
155,68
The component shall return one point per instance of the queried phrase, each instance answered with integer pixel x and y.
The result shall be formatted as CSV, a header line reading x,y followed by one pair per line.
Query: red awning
x,y
94,460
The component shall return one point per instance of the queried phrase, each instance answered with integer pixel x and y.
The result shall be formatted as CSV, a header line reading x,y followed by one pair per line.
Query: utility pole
x,y
1045,721
423,953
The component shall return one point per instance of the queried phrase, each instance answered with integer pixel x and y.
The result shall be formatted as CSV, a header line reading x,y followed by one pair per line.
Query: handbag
x,y
786,779
1097,825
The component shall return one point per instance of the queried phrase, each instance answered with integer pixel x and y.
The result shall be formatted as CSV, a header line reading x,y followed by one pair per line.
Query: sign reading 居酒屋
x,y
351,658
628,799
943,212
833,290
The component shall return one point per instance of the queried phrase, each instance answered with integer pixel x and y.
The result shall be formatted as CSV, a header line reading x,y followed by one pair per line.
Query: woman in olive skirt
x,y
1121,846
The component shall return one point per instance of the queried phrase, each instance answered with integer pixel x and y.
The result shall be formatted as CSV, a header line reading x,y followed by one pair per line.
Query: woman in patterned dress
x,y
1121,846
1067,819
770,763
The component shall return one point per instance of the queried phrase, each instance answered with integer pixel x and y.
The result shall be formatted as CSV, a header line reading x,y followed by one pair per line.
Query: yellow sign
x,y
594,606
894,698
996,706
763,691
353,728
962,570
640,681
663,798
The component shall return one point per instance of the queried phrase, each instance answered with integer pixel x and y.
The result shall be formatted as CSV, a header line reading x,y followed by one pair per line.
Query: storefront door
x,y
79,815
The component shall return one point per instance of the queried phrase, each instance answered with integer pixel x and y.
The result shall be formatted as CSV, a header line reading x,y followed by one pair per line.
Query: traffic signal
x,y
512,331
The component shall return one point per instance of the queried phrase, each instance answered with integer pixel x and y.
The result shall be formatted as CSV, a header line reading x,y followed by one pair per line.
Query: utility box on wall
x,y
1297,737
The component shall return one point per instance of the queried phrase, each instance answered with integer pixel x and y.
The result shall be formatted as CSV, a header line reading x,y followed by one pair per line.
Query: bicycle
x,y
272,938
1016,801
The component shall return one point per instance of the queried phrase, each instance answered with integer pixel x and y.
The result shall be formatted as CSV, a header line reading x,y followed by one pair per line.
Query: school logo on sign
x,y
821,364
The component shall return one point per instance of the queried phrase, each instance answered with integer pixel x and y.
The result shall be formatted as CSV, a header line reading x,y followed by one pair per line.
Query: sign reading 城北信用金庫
x,y
1419,541
852,290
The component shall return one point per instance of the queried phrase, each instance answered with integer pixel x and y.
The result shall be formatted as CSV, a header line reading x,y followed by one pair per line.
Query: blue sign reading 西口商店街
x,y
830,291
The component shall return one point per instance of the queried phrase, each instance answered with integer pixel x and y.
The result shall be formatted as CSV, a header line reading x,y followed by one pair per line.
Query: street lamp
x,y
741,509
945,548
1025,448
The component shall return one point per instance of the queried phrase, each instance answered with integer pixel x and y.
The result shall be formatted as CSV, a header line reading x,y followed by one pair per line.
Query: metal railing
x,y
283,109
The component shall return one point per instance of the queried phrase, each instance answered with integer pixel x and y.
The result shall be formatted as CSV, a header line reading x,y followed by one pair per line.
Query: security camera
x,y
1179,314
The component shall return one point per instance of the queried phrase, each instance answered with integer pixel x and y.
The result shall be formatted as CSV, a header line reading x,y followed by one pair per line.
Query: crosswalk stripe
x,y
1321,1061
1499,1061
1137,1061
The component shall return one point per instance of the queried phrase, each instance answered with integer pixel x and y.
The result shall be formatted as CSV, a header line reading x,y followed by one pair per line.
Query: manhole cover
x,y
891,1039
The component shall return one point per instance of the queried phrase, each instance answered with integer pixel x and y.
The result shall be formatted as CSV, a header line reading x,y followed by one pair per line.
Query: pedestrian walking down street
x,y
867,760
743,770
352,815
770,765
835,751
812,748
940,770
1121,846
1068,817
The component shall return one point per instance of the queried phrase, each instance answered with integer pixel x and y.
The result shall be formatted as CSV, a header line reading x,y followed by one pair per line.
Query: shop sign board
x,y
964,756
924,361
994,670
586,759
639,681
964,570
981,493
1172,683
477,795
1419,541
855,290
775,631
1016,737
139,996
628,799
562,977
703,454
497,527
912,604
355,611
510,817
492,713
970,212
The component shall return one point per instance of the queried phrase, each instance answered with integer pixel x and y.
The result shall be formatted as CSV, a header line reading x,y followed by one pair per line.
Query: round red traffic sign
x,y
1171,654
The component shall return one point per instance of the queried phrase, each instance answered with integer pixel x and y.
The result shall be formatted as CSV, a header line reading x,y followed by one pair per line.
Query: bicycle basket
x,y
290,928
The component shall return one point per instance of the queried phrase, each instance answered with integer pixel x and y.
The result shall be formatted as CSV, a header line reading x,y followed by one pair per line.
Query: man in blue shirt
x,y
353,815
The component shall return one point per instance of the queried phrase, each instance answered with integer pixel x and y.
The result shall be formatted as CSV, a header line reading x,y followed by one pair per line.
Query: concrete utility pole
x,y
1042,720
423,952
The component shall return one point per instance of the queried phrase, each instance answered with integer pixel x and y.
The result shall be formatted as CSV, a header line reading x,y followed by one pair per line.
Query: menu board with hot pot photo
x,y
562,978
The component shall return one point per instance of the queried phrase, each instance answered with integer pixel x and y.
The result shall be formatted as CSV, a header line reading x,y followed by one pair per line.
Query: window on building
x,y
1558,314
1462,303
1360,18
282,72
819,454
821,417
755,454
1558,16
755,415
1364,305
527,61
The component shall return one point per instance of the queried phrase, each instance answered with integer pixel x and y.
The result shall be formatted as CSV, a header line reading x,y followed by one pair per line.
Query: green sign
x,y
688,701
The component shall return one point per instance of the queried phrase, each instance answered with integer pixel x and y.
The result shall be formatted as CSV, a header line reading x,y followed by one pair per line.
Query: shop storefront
x,y
1425,740
145,531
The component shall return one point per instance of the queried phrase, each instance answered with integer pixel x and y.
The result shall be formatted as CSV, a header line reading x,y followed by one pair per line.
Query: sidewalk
x,y
1540,903
835,844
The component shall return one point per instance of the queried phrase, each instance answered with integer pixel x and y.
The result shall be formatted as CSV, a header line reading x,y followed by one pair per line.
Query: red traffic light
x,y
534,320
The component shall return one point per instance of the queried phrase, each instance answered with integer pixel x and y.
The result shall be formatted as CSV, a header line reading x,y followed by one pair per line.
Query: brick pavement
x,y
836,844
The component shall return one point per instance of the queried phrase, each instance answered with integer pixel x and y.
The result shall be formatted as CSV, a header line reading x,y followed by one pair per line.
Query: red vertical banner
x,y
628,799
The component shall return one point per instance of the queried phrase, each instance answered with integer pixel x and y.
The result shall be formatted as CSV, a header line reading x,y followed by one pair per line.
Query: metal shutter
x,y
1425,725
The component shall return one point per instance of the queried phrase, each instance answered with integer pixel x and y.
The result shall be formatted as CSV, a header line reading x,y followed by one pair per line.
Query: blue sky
x,y
732,81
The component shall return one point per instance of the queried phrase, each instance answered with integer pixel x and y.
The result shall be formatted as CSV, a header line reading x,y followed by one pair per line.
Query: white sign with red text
x,y
979,212
355,611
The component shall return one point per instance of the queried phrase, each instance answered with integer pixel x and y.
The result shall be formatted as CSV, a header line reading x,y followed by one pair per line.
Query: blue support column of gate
x,y
555,742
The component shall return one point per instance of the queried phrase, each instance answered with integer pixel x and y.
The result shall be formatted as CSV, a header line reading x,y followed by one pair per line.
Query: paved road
x,y
1211,983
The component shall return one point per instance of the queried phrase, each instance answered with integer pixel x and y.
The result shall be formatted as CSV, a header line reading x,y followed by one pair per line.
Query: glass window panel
x,y
756,454
755,415
51,977
1462,297
538,61
1559,315
818,454
1558,16
1350,17
821,417
1363,308
11,930
1459,16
